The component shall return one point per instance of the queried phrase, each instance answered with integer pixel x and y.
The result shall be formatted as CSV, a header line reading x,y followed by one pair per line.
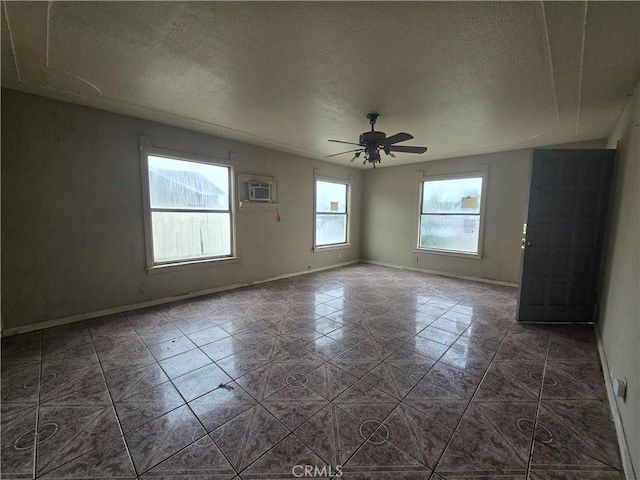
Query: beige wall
x,y
619,315
72,232
390,197
390,211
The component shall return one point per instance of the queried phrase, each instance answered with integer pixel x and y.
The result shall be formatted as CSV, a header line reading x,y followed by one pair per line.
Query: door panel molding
x,y
566,215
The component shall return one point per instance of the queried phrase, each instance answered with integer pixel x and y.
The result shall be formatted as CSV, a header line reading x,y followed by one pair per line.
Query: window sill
x,y
450,253
331,247
210,262
258,206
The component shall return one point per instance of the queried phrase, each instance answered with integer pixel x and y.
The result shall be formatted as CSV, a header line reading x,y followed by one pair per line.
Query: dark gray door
x,y
563,236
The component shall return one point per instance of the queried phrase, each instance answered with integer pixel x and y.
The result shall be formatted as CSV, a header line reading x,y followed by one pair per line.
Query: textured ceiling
x,y
462,77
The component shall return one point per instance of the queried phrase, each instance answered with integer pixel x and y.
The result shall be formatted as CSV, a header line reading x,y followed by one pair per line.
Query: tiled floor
x,y
386,373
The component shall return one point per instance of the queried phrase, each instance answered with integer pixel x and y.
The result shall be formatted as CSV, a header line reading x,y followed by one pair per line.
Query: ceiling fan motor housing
x,y
368,138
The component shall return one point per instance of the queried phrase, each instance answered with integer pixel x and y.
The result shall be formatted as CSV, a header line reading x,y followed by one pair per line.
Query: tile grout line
x,y
402,399
113,404
111,396
248,432
537,416
186,403
245,438
539,404
258,402
570,428
470,400
36,436
400,346
334,428
329,404
291,432
37,424
424,375
145,346
413,351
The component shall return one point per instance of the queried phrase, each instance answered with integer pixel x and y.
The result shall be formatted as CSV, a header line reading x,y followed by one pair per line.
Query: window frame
x,y
421,179
152,267
340,181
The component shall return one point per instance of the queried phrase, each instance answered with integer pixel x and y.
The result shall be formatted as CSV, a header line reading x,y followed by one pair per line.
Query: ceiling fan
x,y
372,143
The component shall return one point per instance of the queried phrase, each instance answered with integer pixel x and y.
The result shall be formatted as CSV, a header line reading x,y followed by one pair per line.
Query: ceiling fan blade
x,y
348,151
357,155
348,143
398,137
403,149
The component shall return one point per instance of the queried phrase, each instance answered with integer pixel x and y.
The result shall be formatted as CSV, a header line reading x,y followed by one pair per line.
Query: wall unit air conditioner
x,y
260,192
257,192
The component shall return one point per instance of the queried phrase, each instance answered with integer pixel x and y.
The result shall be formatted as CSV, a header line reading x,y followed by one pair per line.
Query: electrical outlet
x,y
340,255
620,388
415,259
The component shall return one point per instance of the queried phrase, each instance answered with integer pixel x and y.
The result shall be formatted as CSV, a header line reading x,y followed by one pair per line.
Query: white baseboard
x,y
151,303
615,413
443,274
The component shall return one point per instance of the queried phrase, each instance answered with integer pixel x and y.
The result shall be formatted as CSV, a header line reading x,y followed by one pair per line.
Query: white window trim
x,y
421,177
147,149
333,246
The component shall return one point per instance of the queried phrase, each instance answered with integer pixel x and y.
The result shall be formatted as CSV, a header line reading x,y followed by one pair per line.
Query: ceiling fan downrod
x,y
372,119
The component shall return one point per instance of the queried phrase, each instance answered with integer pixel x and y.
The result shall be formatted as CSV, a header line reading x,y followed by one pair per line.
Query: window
x,y
451,214
189,214
331,212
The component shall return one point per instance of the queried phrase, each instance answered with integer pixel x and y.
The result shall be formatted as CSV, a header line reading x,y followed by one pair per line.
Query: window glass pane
x,y
450,232
183,236
331,197
331,229
461,195
182,184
